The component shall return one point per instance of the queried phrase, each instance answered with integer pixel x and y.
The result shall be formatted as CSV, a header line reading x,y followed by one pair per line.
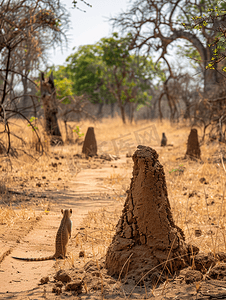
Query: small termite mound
x,y
193,149
147,239
90,145
163,140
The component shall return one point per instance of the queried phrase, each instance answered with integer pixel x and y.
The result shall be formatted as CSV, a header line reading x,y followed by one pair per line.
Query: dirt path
x,y
85,193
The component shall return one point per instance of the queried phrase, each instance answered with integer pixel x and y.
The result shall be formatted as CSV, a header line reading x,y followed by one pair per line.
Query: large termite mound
x,y
90,145
146,235
193,149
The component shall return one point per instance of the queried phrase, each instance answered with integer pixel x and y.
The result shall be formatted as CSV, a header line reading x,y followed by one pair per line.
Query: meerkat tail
x,y
62,237
35,259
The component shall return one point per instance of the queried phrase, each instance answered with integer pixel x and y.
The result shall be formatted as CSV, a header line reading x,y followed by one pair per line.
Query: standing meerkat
x,y
62,238
164,140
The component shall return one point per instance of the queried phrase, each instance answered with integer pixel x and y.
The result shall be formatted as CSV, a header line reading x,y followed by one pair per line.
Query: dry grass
x,y
9,216
99,228
195,205
198,205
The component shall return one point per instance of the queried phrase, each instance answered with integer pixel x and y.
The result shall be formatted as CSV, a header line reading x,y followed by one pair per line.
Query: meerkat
x,y
164,140
62,238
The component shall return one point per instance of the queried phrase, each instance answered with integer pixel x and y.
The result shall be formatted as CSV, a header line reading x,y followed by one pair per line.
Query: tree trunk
x,y
131,112
187,110
48,94
100,110
26,99
122,108
112,109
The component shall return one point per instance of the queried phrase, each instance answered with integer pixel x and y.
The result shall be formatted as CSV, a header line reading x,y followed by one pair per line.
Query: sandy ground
x,y
38,203
36,237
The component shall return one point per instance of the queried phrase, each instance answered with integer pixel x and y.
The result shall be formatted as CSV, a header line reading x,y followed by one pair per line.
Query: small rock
x,y
191,275
204,261
81,254
192,194
210,232
62,276
56,290
74,286
221,256
44,280
203,180
96,273
218,272
198,232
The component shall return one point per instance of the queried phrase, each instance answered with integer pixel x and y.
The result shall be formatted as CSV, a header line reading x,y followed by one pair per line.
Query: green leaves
x,y
62,83
108,72
116,50
191,53
33,120
85,68
77,130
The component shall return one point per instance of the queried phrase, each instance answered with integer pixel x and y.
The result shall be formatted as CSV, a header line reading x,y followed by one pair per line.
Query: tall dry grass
x,y
198,204
196,190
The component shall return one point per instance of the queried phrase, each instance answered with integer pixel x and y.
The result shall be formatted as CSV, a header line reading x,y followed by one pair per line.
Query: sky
x,y
88,27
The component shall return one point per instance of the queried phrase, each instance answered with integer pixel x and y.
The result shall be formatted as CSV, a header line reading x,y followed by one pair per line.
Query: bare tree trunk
x,y
131,112
187,111
100,110
159,102
48,94
26,99
112,109
122,108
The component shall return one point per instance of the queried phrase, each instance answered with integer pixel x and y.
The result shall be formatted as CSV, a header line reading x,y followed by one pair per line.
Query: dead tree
x,y
66,111
21,22
210,115
48,96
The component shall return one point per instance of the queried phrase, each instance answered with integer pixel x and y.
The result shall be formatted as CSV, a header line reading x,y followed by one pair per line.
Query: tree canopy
x,y
108,72
155,25
26,28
